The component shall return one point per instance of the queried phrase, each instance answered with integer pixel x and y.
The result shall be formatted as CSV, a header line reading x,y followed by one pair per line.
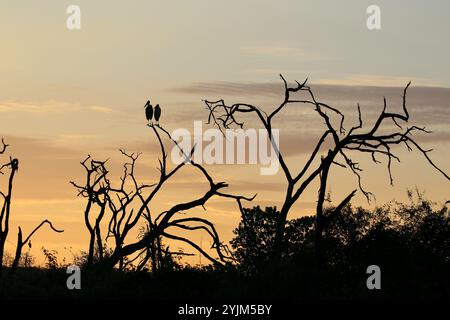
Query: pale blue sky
x,y
125,47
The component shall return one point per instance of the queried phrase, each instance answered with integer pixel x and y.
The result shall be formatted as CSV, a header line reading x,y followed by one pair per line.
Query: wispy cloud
x,y
232,88
51,106
285,51
31,107
360,83
100,109
379,80
428,105
74,139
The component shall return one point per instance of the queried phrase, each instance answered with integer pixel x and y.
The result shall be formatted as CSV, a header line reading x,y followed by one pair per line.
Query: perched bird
x,y
148,111
157,112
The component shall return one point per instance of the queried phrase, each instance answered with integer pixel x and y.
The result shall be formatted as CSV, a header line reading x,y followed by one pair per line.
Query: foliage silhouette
x,y
396,237
409,242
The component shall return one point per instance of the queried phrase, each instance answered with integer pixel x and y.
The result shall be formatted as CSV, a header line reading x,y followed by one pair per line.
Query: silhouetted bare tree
x,y
21,243
13,166
128,203
95,189
376,140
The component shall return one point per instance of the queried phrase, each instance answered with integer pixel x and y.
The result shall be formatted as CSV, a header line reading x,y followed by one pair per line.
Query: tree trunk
x,y
2,250
15,263
90,259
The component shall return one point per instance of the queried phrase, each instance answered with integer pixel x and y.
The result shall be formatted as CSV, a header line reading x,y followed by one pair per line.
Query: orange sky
x,y
65,94
42,188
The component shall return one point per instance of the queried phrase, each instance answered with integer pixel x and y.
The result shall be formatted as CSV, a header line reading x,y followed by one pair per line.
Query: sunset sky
x,y
65,94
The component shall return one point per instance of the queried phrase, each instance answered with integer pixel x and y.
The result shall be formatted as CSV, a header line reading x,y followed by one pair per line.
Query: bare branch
x,y
194,245
38,227
4,146
355,140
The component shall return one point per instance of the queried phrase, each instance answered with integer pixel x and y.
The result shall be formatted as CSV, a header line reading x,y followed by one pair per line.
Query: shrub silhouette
x,y
409,242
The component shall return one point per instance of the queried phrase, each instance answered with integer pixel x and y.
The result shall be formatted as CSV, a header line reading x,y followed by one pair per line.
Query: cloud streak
x,y
427,105
285,51
51,106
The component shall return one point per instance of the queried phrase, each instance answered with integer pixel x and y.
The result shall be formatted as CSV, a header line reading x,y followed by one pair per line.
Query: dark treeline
x,y
409,242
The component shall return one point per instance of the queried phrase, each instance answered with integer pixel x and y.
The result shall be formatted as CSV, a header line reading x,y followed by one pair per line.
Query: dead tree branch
x,y
125,207
370,141
21,243
13,166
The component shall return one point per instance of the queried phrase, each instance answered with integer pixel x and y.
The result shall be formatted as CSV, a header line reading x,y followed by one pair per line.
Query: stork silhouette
x,y
157,113
148,111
